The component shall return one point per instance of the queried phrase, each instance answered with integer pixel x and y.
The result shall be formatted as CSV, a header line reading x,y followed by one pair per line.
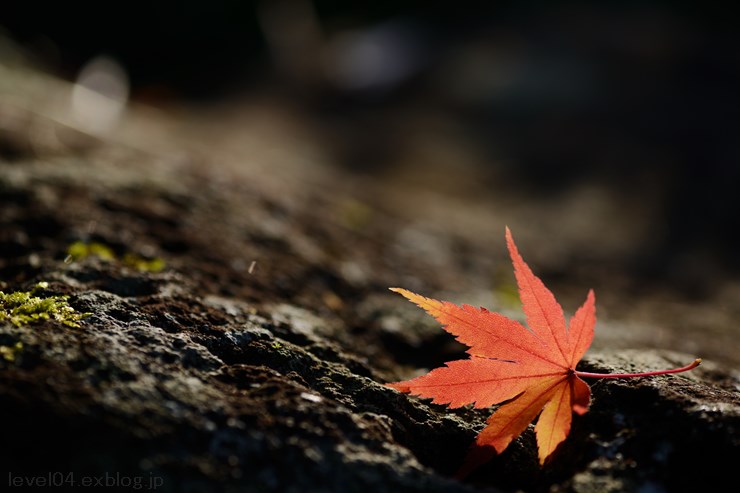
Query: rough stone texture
x,y
220,375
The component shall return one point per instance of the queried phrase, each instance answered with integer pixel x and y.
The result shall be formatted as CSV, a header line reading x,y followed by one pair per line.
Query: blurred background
x,y
626,112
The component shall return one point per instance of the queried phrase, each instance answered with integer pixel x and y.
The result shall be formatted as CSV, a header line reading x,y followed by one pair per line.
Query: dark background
x,y
640,97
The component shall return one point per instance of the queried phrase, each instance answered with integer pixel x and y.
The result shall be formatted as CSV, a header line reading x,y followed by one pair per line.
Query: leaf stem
x,y
688,367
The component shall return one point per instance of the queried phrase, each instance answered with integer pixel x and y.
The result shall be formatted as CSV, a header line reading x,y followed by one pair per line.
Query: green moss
x,y
142,264
9,353
80,250
23,308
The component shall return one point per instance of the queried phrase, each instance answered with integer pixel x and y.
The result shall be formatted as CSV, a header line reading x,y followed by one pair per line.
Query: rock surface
x,y
255,360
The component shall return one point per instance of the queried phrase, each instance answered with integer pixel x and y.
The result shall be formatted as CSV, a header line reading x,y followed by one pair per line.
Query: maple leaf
x,y
531,370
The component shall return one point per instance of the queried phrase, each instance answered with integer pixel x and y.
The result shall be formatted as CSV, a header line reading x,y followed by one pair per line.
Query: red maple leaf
x,y
532,370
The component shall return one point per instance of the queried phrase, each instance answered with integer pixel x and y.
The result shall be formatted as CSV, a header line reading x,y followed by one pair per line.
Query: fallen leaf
x,y
531,370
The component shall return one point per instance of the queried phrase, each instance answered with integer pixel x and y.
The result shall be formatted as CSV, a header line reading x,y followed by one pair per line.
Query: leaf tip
x,y
405,293
513,250
591,300
546,459
399,386
509,237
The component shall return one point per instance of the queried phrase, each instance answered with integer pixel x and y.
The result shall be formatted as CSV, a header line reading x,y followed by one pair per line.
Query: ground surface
x,y
255,359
